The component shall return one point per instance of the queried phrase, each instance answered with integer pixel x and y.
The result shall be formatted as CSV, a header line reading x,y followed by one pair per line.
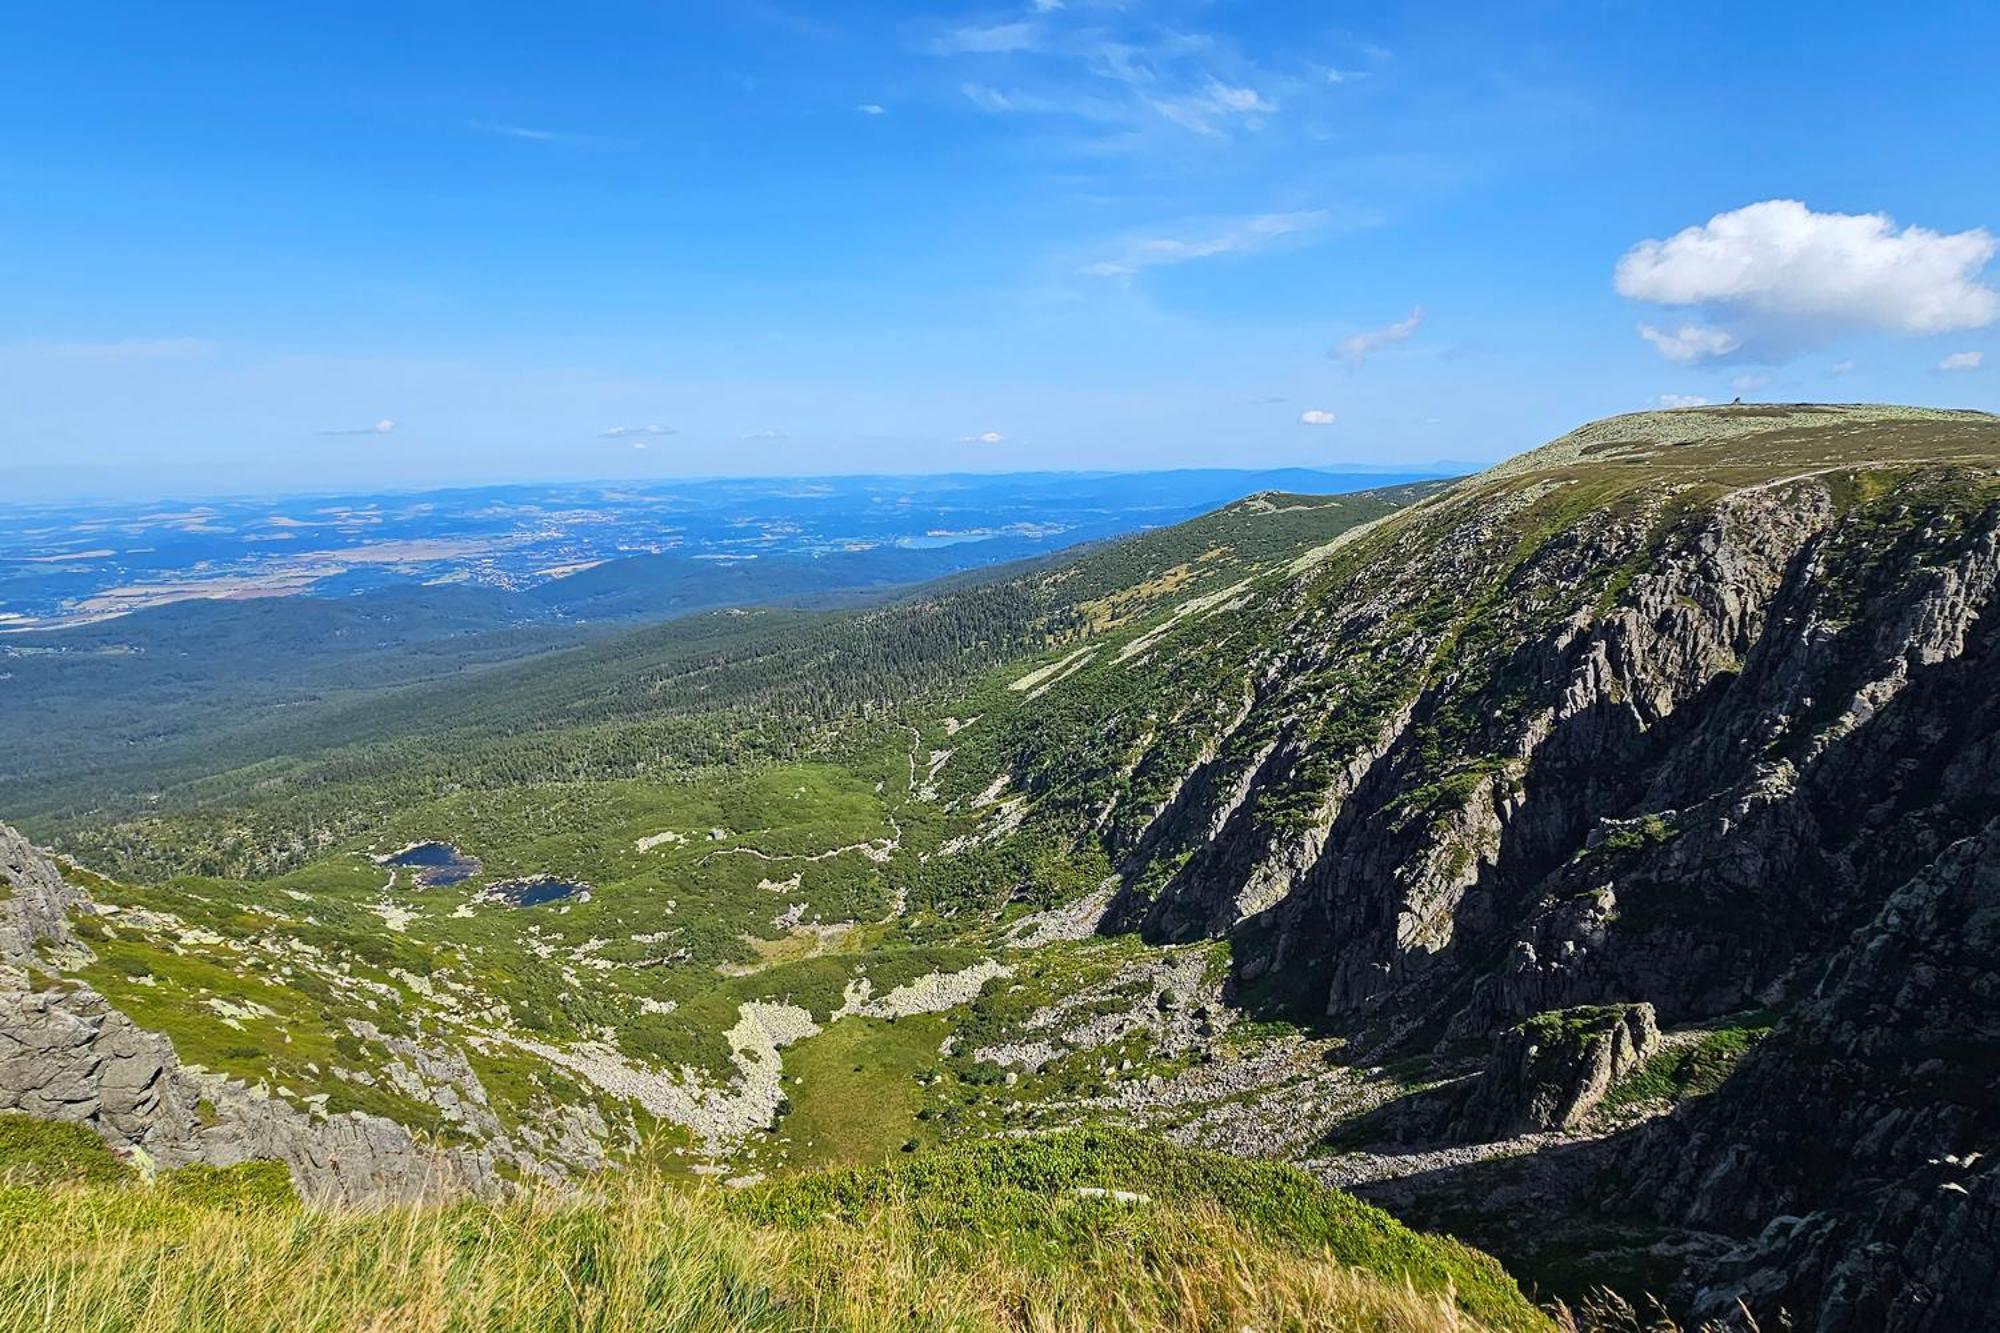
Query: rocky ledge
x,y
67,1054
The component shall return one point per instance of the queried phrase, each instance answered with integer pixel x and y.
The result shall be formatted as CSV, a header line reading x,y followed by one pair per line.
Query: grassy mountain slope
x,y
1026,1236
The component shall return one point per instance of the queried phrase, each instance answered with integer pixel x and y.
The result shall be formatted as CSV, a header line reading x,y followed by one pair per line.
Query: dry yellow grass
x,y
641,1257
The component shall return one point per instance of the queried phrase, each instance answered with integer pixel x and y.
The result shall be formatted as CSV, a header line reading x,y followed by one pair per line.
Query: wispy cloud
x,y
1316,416
623,432
1963,361
1691,342
532,134
985,437
1674,400
1358,347
1208,109
872,109
763,435
382,427
1134,78
989,39
1245,235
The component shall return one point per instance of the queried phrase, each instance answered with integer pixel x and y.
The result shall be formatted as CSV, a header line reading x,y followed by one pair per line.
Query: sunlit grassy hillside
x,y
1105,1231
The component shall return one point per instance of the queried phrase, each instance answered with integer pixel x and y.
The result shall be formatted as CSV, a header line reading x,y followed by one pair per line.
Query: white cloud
x,y
1239,99
1132,82
872,109
1674,400
1248,234
1962,361
994,39
619,432
1691,342
1047,6
1314,416
1787,275
1359,347
1840,368
382,427
763,435
1201,111
986,437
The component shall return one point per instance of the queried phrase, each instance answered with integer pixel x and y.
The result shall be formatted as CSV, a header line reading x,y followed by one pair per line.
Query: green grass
x,y
46,1152
1694,1069
1020,1195
856,1095
1232,1249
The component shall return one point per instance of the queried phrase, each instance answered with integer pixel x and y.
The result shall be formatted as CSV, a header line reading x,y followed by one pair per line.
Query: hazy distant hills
x,y
192,620
72,564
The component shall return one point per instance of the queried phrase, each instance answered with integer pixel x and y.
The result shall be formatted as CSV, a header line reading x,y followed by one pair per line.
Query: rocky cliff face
x,y
1857,1151
1671,750
1668,713
66,1054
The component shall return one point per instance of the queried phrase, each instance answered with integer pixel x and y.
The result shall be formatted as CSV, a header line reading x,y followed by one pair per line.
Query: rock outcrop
x,y
67,1054
1552,1071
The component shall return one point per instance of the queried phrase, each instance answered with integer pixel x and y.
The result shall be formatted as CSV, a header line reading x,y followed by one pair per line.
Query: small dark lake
x,y
534,892
437,863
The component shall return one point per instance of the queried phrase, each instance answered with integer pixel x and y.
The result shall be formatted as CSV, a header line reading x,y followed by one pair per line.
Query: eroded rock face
x,y
1666,755
66,1054
35,903
1670,756
1552,1071
1856,1154
1695,749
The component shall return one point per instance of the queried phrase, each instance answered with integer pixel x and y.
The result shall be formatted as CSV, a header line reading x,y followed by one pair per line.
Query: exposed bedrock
x,y
66,1054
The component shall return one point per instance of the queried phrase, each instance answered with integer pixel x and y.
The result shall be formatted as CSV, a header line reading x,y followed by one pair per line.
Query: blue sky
x,y
256,247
